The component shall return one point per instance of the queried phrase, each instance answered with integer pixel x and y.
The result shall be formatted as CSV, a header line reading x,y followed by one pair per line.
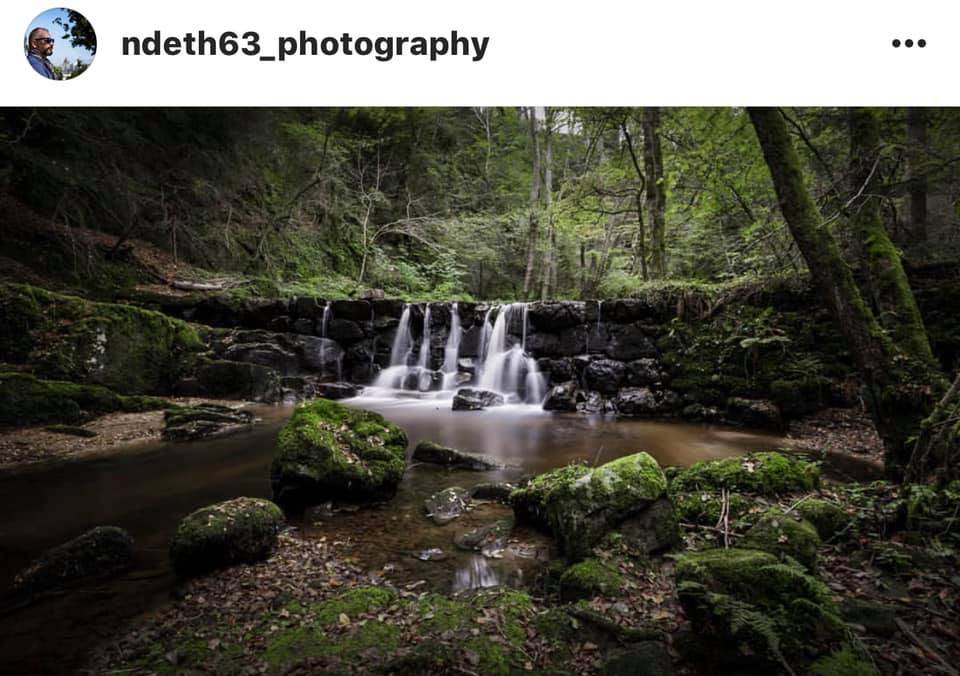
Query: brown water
x,y
147,489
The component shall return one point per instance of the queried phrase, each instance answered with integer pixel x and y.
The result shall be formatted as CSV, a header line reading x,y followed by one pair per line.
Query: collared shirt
x,y
41,65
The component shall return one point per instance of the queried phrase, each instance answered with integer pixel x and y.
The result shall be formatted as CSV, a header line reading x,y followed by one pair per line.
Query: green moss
x,y
241,530
704,507
354,603
530,499
102,550
588,579
784,535
827,517
330,451
763,473
27,400
125,348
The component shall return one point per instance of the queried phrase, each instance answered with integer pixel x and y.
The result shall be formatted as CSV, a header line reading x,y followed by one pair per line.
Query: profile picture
x,y
60,44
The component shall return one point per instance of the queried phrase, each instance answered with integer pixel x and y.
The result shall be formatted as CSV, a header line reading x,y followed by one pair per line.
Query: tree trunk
x,y
533,222
887,282
899,389
639,237
548,195
656,195
916,177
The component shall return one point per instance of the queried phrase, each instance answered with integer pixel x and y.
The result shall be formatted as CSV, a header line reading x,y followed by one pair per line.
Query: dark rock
x,y
572,341
646,658
879,619
429,452
588,579
562,397
236,380
242,530
700,412
544,344
467,365
644,372
490,540
468,399
758,413
308,307
100,551
188,387
652,530
328,451
203,422
552,316
638,401
629,342
594,402
344,330
270,355
470,342
784,535
447,505
604,375
298,388
423,380
498,491
303,326
373,294
432,554
337,390
71,430
320,355
357,310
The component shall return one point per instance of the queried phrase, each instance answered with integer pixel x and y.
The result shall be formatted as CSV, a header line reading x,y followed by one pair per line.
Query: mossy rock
x,y
27,400
749,600
843,662
100,551
242,530
932,509
328,451
786,535
827,517
763,473
705,507
582,512
239,380
587,579
529,500
124,348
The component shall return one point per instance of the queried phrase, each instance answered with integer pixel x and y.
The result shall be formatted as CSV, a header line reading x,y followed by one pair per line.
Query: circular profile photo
x,y
60,44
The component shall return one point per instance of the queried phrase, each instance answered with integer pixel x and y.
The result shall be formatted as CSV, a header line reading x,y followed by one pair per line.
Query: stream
x,y
148,488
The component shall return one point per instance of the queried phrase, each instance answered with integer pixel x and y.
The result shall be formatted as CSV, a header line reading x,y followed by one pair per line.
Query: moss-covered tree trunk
x,y
656,193
533,229
900,388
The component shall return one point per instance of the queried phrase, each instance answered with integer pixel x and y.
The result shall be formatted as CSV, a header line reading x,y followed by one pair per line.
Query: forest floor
x,y
110,434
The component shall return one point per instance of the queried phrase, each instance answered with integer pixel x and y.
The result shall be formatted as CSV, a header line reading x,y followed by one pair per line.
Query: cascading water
x,y
392,377
325,320
452,350
423,359
507,368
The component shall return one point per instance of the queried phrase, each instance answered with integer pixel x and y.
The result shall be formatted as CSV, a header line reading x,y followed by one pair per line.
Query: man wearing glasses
x,y
39,47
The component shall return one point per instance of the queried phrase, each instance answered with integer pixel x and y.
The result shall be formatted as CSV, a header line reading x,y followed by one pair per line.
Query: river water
x,y
148,488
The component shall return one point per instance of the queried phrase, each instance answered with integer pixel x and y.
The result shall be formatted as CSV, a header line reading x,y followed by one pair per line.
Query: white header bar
x,y
603,52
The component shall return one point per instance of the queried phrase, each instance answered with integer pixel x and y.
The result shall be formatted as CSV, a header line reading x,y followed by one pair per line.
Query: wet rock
x,y
321,355
203,422
700,412
467,365
629,342
468,399
188,387
604,375
545,344
447,505
303,326
337,390
298,388
435,454
643,372
594,402
270,355
654,529
561,370
529,499
242,530
562,397
784,535
100,551
758,413
357,310
646,658
552,316
344,330
573,341
423,380
489,540
332,452
432,554
236,380
498,491
588,579
638,401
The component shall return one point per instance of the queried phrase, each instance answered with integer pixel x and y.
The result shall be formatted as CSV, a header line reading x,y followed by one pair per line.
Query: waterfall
x,y
452,350
508,369
485,334
327,311
599,315
423,360
477,574
392,377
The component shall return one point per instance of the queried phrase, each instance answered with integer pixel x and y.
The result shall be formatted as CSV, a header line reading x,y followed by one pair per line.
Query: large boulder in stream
x,y
205,421
579,505
328,451
435,454
100,551
468,399
242,530
563,397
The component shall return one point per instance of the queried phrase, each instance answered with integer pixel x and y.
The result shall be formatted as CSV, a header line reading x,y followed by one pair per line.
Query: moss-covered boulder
x,y
706,507
755,607
27,400
763,473
587,579
242,530
579,506
784,535
238,380
100,551
125,348
829,518
328,451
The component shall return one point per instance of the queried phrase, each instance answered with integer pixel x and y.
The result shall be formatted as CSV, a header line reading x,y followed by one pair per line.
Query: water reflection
x,y
475,573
